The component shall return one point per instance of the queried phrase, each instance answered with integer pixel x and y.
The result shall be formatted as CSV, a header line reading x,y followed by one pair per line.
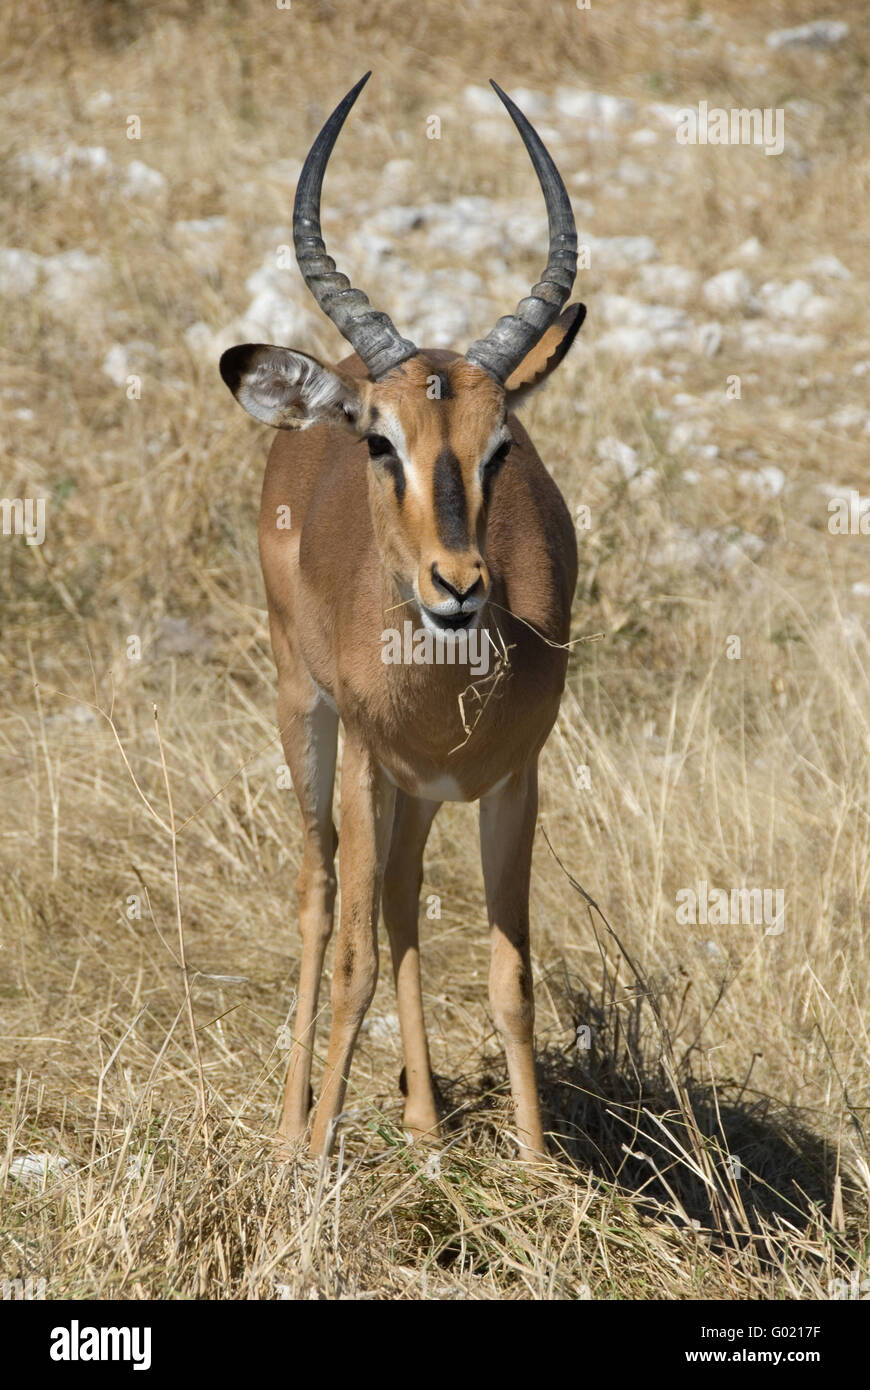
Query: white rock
x,y
398,221
284,170
711,949
197,229
687,434
72,278
727,549
33,1169
642,483
842,491
627,342
860,589
794,299
598,107
830,267
83,715
383,1026
820,33
622,456
116,364
99,101
669,328
280,318
397,171
650,376
769,481
730,289
19,272
457,283
490,130
632,174
482,99
763,338
270,276
371,252
861,369
849,417
202,239
46,167
533,104
141,181
127,359
668,284
439,325
750,249
616,252
199,338
644,137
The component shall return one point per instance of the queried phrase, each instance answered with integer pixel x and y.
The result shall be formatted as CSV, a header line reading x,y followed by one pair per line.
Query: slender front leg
x,y
507,830
310,734
402,880
367,805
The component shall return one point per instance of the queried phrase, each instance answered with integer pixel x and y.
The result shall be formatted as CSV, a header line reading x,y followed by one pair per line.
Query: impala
x,y
413,492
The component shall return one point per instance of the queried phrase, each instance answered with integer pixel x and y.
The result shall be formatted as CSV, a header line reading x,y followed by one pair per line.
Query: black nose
x,y
459,594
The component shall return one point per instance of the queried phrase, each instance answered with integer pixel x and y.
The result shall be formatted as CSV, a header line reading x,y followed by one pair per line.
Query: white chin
x,y
431,626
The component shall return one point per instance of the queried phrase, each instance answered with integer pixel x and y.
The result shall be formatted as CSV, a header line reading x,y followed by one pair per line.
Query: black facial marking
x,y
451,507
394,467
492,468
383,455
444,391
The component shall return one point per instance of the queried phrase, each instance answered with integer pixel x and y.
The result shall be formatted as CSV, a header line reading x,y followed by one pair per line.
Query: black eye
x,y
378,446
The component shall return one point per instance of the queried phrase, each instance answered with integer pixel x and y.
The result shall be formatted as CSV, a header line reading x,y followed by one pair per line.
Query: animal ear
x,y
545,356
290,390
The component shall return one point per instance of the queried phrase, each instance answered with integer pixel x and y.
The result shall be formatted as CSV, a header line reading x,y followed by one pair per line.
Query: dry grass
x,y
706,1043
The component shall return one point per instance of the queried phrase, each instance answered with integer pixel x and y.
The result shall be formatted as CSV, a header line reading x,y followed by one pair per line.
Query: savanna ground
x,y
710,1127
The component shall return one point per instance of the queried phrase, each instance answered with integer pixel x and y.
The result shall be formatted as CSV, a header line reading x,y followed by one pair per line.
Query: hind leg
x,y
401,894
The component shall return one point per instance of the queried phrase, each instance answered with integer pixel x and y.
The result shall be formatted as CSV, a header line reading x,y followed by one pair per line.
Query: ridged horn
x,y
505,346
369,332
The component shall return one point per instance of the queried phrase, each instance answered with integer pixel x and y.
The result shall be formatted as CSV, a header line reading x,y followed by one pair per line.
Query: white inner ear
x,y
284,384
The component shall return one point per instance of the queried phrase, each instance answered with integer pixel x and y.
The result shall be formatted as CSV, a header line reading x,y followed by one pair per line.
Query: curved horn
x,y
369,332
505,346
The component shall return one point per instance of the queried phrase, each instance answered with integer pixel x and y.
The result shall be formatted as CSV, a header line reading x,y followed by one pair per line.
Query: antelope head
x,y
436,425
